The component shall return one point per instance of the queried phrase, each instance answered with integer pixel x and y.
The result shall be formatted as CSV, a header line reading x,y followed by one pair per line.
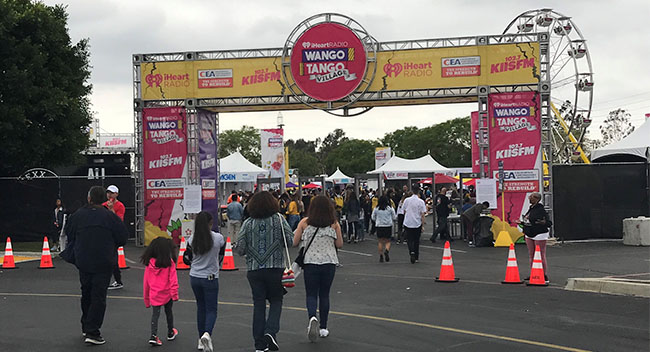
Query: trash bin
x,y
483,236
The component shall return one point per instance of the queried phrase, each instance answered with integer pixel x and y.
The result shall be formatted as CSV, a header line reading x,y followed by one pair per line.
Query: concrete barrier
x,y
613,286
636,231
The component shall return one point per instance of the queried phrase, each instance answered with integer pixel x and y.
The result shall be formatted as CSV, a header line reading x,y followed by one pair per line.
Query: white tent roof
x,y
242,170
636,143
339,177
422,164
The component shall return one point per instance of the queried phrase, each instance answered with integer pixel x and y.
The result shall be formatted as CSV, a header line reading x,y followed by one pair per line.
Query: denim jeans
x,y
266,284
293,221
206,293
318,281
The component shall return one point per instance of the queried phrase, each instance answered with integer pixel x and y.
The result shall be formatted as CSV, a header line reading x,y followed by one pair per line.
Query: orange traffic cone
x,y
228,259
46,256
537,271
121,259
512,271
180,265
447,267
8,260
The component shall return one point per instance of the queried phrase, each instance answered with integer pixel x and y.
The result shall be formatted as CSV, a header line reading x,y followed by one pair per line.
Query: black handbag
x,y
188,255
300,258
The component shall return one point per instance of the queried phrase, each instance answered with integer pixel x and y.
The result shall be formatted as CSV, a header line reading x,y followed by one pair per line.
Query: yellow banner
x,y
396,70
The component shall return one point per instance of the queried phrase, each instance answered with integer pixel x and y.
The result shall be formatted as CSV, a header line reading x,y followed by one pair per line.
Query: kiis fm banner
x,y
468,66
164,149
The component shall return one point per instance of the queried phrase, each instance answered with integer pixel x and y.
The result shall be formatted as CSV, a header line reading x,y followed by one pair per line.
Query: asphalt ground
x,y
375,306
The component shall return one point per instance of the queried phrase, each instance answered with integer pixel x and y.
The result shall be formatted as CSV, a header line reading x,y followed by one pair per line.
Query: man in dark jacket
x,y
470,216
94,233
442,212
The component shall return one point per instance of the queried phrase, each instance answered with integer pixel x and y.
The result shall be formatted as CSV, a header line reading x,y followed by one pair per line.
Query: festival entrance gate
x,y
329,62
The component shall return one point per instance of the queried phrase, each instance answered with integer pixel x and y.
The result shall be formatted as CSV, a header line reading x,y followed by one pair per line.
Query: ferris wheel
x,y
571,77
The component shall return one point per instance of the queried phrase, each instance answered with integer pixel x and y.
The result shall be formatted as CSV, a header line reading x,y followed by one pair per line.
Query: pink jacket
x,y
160,285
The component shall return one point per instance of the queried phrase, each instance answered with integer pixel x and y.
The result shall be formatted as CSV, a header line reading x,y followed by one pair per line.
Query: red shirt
x,y
118,208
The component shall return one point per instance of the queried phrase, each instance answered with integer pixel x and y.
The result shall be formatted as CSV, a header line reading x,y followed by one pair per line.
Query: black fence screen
x,y
591,201
28,204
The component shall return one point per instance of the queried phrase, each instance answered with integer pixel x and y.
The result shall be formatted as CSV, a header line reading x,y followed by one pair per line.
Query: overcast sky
x,y
617,33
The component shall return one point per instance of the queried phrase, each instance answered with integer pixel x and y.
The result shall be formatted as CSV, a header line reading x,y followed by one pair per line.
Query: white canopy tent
x,y
339,177
636,144
399,168
236,168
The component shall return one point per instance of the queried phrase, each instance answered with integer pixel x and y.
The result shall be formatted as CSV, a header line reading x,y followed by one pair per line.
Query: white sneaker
x,y
200,347
206,341
324,332
312,329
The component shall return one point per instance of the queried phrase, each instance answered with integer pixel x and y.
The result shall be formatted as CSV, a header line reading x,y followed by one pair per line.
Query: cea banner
x,y
272,148
164,149
208,158
515,139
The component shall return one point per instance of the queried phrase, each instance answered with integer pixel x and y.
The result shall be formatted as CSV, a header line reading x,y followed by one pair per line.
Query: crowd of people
x,y
263,227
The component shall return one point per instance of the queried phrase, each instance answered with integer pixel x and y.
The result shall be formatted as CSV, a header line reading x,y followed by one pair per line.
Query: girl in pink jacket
x,y
160,285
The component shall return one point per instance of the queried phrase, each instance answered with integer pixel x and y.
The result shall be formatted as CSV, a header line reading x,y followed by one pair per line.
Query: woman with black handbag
x,y
320,235
261,240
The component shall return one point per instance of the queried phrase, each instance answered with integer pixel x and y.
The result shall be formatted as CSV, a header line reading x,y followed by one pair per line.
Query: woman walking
x,y
352,208
536,229
160,285
261,240
320,234
383,216
204,276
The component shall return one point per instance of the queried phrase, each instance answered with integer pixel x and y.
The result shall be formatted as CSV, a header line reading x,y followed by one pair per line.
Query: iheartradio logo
x,y
306,45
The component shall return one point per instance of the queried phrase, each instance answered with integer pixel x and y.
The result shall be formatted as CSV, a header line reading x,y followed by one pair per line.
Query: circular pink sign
x,y
328,62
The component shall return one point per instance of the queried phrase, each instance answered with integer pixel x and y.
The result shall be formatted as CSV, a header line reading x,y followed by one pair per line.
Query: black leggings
x,y
155,314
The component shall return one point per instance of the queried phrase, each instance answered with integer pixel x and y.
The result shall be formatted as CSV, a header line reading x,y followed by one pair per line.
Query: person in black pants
x,y
442,212
94,233
414,212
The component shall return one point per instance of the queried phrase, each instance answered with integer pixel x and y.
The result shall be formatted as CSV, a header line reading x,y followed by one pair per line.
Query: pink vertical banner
x,y
164,149
515,139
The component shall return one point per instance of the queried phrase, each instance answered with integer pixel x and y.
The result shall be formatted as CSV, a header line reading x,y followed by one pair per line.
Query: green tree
x,y
448,142
331,142
245,140
44,104
305,161
616,126
352,156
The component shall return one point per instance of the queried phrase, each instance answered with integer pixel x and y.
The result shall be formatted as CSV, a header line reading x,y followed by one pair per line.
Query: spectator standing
x,y
536,224
322,230
59,215
293,212
414,212
235,214
94,233
352,209
442,213
384,216
204,276
260,239
117,207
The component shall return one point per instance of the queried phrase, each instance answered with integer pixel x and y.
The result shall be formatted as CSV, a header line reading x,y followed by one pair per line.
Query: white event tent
x,y
235,168
399,168
635,145
339,177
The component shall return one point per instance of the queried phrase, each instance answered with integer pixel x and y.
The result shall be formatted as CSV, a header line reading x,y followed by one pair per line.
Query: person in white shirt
x,y
384,216
414,213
